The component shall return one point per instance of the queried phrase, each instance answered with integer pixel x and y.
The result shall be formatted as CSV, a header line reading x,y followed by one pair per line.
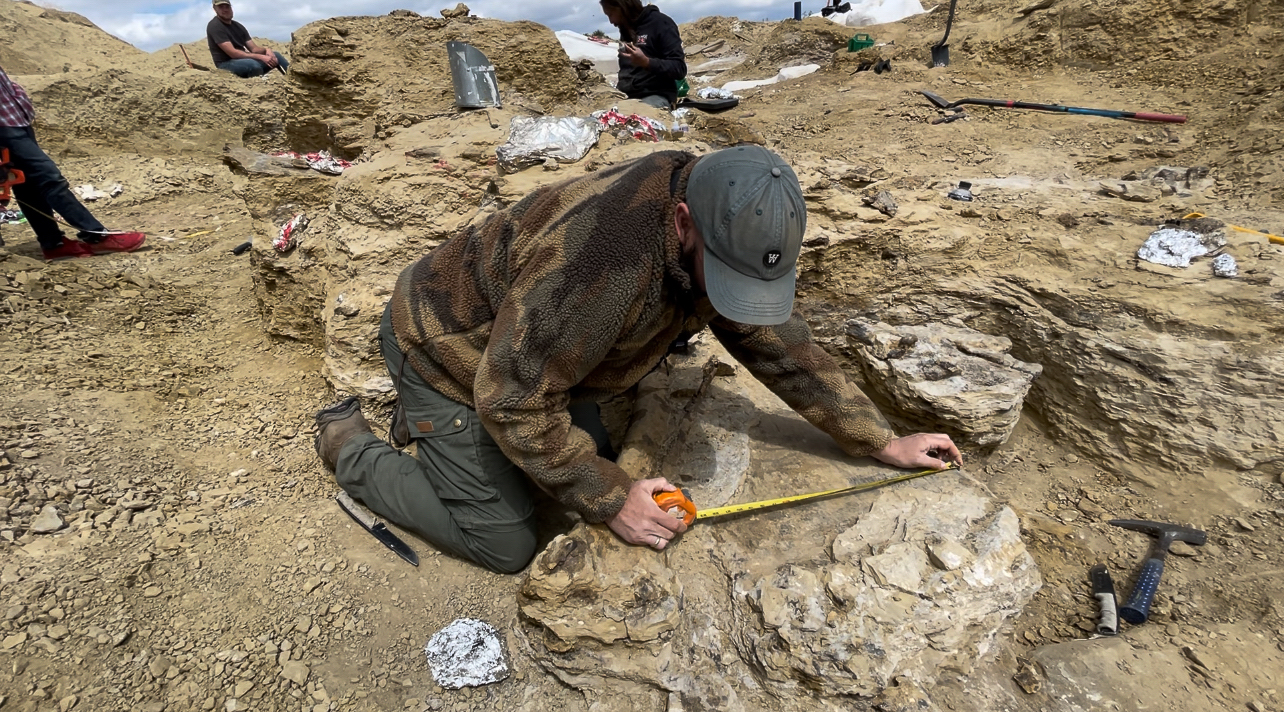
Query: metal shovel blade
x,y
936,99
941,56
473,76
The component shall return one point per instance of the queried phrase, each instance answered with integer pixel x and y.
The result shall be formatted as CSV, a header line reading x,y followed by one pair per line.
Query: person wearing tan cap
x,y
232,49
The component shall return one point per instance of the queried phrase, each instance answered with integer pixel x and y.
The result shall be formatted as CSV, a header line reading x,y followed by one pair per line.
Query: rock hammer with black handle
x,y
1137,609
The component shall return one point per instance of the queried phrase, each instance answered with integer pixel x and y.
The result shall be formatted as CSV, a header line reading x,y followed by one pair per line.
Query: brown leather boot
x,y
337,425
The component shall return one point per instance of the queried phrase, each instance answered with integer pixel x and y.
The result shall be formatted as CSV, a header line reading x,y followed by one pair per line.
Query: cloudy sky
x,y
152,24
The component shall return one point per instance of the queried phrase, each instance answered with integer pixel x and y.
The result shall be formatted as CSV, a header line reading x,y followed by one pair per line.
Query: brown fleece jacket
x,y
575,293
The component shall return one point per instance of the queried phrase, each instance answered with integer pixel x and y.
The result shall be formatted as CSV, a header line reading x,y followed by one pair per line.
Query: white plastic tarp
x,y
785,74
877,12
605,58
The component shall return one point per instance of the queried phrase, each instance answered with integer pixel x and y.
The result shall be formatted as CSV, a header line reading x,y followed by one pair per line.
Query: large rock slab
x,y
799,608
953,377
1175,385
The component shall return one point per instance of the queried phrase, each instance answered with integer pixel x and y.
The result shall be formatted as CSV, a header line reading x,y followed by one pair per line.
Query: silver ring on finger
x,y
658,540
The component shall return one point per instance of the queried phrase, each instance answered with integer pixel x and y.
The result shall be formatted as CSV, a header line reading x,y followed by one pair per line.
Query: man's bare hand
x,y
921,450
641,521
269,58
636,56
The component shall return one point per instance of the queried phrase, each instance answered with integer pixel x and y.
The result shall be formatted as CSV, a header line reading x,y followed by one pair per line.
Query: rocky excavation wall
x,y
1181,383
1100,34
191,113
1119,385
361,78
425,170
1185,386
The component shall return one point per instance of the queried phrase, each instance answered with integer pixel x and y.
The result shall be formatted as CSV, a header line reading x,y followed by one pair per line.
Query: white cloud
x,y
152,24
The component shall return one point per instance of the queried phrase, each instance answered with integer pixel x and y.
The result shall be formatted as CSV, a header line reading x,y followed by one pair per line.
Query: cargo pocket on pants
x,y
445,440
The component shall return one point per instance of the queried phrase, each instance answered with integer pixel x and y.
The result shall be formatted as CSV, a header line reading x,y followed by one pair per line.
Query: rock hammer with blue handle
x,y
1137,609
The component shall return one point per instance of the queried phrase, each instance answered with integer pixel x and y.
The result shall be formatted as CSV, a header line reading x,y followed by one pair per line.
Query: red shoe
x,y
68,248
118,242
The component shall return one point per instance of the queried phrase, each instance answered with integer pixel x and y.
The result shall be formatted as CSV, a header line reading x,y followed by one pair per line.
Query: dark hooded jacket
x,y
657,36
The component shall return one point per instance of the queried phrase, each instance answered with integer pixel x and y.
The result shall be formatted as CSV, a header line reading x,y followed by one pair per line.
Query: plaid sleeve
x,y
15,106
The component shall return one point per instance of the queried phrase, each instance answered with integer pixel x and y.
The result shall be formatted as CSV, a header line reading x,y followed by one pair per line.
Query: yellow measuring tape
x,y
679,498
1273,238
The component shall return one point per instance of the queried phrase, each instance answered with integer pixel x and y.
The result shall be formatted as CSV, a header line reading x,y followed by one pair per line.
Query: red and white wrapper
x,y
319,161
289,234
642,128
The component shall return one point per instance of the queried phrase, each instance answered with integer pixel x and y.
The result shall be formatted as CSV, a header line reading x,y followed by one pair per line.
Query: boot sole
x,y
342,410
99,253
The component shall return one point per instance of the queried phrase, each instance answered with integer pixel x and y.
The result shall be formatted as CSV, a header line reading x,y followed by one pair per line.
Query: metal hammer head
x,y
1165,533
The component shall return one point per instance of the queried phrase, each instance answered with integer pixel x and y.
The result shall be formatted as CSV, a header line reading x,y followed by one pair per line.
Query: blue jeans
x,y
247,68
45,192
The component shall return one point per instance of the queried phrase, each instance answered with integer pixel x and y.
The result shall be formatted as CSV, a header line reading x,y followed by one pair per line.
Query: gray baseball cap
x,y
749,208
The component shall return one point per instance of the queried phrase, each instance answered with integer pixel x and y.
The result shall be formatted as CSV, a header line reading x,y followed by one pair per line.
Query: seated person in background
x,y
651,56
232,49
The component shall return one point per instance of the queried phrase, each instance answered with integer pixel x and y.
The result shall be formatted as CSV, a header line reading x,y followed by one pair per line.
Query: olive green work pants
x,y
459,491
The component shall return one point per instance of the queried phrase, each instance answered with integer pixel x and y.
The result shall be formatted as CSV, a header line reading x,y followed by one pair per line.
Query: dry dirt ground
x,y
203,564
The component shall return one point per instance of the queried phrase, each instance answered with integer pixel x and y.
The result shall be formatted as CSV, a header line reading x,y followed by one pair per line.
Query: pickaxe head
x,y
1165,533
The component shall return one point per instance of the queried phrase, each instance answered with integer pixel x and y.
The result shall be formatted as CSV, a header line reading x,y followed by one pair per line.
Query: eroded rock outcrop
x,y
798,608
1147,370
191,114
945,376
339,103
290,285
421,187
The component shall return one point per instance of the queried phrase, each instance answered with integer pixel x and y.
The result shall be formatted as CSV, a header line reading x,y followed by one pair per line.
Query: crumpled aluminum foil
x,y
1224,266
532,140
1176,248
466,653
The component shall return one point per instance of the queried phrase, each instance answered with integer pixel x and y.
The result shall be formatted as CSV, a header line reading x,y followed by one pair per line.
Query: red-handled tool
x,y
941,103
